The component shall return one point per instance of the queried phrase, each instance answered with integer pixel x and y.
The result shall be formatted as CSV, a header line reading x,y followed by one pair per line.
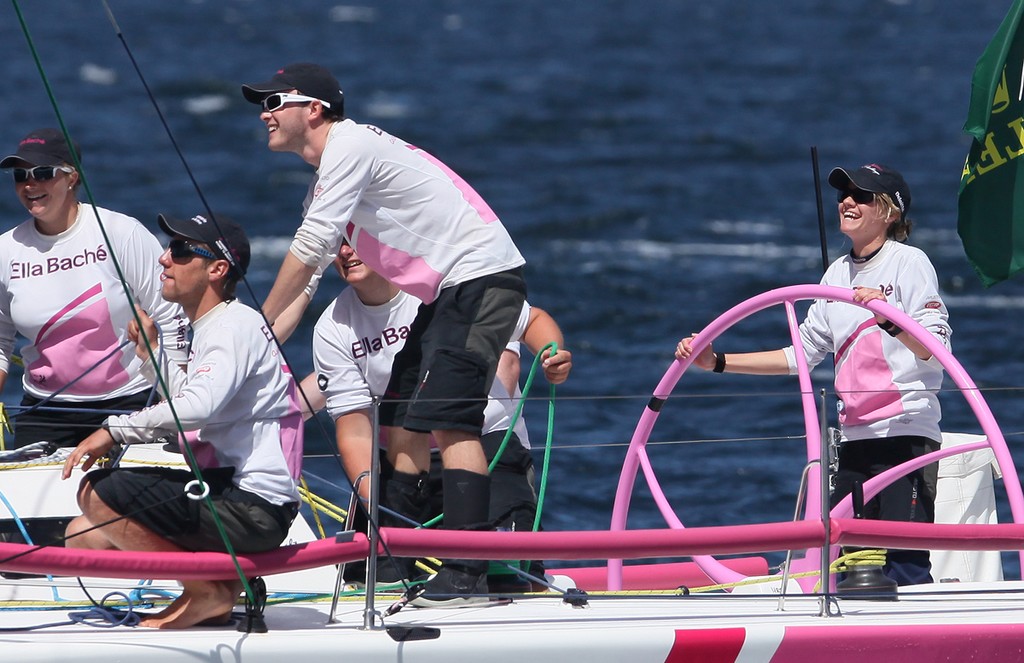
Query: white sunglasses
x,y
276,101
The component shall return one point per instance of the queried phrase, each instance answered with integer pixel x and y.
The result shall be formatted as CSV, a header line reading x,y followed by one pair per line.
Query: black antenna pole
x,y
821,210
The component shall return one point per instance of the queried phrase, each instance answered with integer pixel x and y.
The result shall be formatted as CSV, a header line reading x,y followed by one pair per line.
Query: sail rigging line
x,y
213,218
821,209
193,464
91,201
202,197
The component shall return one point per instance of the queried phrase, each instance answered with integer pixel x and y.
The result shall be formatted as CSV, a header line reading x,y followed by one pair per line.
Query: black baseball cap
x,y
875,178
42,147
310,79
223,236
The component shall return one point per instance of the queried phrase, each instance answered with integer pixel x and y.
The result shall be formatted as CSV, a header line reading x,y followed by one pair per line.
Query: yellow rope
x,y
5,427
843,563
5,422
848,560
320,505
303,493
868,557
45,463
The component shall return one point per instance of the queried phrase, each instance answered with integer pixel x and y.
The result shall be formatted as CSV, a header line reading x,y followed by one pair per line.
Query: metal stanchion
x,y
828,606
372,619
353,504
801,493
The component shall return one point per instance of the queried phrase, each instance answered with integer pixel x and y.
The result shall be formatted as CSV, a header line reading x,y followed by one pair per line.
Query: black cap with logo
x,y
310,79
42,147
225,237
875,178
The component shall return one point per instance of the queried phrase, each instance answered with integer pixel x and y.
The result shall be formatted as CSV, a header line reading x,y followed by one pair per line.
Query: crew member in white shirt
x,y
61,289
235,394
423,228
887,382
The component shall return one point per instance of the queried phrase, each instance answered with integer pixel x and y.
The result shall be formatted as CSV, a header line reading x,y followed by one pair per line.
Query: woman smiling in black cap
x,y
887,382
60,289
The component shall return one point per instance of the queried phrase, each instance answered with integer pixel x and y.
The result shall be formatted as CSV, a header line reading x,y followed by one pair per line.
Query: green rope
x,y
547,448
193,464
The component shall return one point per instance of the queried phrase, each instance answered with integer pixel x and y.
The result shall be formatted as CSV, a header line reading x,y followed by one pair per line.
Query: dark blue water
x,y
651,159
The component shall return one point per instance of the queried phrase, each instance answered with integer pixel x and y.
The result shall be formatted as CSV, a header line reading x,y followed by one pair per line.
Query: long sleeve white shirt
x,y
885,390
408,216
235,393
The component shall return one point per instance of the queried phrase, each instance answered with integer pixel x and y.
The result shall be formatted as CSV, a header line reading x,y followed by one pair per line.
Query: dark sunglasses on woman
x,y
39,173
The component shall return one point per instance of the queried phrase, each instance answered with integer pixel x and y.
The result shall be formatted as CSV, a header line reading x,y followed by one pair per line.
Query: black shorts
x,y
440,378
155,497
910,498
65,423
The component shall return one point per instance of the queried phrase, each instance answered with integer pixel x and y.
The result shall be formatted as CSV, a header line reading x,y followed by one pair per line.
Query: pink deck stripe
x,y
928,642
713,645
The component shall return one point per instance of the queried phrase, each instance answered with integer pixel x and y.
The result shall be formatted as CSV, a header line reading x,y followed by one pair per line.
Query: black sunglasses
x,y
860,196
183,250
39,173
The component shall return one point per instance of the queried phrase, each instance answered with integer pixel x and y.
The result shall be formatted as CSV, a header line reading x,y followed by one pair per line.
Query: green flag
x,y
991,200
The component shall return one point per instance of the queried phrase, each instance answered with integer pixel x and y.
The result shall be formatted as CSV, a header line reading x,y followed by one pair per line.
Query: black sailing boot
x,y
461,582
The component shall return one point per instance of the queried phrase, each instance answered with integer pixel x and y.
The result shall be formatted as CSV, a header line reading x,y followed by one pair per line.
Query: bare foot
x,y
201,601
175,607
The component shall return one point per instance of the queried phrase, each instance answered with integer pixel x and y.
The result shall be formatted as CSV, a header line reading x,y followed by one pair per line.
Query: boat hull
x,y
976,622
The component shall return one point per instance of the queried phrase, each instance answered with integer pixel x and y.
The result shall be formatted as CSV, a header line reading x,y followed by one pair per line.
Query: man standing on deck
x,y
420,226
235,393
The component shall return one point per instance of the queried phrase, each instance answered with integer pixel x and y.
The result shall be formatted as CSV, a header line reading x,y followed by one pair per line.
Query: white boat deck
x,y
967,621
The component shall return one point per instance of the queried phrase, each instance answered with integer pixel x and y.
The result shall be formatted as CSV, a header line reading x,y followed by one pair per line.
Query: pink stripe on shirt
x,y
411,274
469,193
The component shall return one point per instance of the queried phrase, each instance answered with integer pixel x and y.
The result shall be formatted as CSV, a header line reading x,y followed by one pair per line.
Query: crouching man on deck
x,y
234,392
